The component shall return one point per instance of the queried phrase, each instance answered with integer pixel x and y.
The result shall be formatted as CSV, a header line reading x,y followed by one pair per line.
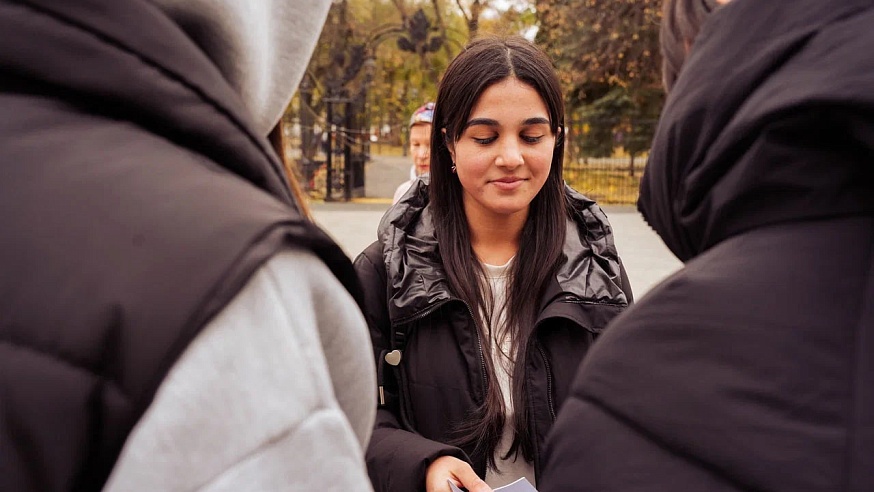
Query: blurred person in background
x,y
753,367
420,147
169,319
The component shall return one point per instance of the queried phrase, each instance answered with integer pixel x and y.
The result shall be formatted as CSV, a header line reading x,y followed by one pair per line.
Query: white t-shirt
x,y
403,187
515,467
402,190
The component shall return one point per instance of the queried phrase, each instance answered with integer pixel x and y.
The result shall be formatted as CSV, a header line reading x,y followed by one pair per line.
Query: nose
x,y
510,155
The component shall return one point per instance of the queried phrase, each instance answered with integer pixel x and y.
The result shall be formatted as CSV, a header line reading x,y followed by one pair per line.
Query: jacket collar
x,y
417,280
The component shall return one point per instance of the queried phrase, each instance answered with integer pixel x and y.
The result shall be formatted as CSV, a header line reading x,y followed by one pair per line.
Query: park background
x,y
378,60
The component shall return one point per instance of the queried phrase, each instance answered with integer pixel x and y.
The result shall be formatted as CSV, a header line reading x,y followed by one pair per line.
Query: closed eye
x,y
484,141
531,139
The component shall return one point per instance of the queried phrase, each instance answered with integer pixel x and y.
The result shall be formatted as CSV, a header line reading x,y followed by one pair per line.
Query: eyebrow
x,y
538,120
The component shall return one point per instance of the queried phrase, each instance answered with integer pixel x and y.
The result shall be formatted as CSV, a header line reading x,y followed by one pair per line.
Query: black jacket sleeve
x,y
397,458
626,284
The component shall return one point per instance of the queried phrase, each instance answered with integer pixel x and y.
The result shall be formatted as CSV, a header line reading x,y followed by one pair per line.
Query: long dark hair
x,y
681,21
483,63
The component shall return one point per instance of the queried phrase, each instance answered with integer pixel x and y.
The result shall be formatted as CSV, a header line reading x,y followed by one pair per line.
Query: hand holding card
x,y
453,470
521,485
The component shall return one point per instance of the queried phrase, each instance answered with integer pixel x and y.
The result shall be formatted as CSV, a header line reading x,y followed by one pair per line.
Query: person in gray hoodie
x,y
169,320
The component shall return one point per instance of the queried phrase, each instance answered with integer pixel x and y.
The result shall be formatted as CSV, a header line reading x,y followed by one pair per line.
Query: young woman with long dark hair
x,y
487,284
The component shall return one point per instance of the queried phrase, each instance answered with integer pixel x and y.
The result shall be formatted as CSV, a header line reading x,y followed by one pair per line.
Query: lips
x,y
508,183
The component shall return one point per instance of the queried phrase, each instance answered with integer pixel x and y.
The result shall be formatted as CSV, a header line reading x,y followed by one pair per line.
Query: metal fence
x,y
608,180
330,152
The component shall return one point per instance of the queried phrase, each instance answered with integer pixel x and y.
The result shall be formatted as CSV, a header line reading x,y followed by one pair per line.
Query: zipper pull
x,y
380,363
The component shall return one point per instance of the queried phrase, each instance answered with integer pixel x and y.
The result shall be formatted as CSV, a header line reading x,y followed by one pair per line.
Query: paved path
x,y
648,261
383,174
646,258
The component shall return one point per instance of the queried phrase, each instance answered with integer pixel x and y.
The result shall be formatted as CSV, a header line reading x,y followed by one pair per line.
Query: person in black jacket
x,y
488,283
752,368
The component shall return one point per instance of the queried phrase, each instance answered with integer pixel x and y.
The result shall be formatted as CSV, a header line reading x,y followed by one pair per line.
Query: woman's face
x,y
504,153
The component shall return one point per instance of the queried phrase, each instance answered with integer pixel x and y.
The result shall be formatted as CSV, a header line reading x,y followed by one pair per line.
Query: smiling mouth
x,y
508,184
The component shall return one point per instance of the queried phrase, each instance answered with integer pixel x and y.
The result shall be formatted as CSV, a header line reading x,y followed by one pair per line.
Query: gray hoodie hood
x,y
262,47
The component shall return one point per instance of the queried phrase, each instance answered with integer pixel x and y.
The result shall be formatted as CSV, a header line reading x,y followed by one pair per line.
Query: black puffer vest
x,y
135,201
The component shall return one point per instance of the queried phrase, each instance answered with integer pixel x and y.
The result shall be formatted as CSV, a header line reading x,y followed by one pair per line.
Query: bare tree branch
x,y
463,12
